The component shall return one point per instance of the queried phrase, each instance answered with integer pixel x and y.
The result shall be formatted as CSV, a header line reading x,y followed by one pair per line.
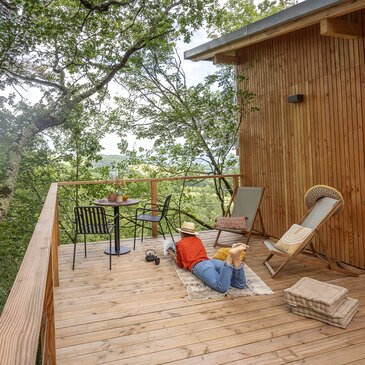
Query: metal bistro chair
x,y
92,220
152,213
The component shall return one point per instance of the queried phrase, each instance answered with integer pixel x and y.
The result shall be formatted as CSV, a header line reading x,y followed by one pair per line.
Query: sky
x,y
195,72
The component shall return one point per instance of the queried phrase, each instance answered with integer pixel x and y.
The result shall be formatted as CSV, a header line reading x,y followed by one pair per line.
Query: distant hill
x,y
107,160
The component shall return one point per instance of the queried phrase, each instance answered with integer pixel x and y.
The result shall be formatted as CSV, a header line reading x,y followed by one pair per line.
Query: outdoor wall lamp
x,y
297,98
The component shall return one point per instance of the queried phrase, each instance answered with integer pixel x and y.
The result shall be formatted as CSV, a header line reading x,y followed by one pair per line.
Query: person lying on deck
x,y
217,274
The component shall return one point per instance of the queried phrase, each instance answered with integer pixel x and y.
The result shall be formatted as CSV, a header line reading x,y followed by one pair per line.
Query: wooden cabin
x,y
306,67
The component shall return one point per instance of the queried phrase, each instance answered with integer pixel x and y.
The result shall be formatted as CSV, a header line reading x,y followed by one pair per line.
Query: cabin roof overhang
x,y
302,15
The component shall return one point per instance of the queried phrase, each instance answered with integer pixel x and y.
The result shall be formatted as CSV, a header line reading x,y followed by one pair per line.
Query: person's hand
x,y
170,252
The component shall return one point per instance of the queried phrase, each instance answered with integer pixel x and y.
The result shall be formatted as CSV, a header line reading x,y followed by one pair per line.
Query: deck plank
x,y
139,313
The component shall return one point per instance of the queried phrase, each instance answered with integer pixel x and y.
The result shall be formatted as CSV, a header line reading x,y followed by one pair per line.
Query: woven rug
x,y
197,290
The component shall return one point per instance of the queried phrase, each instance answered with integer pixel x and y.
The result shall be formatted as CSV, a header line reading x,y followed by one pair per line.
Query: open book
x,y
168,243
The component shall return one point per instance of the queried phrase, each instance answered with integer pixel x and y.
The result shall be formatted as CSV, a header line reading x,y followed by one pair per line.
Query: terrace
x,y
140,313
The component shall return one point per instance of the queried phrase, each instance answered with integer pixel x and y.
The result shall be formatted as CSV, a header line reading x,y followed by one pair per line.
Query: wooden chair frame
x,y
305,250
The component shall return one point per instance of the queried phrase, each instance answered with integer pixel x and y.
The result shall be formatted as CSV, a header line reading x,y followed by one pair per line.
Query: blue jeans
x,y
219,275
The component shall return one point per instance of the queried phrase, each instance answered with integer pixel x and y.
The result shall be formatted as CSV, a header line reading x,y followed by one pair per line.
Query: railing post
x,y
55,244
236,183
154,202
48,336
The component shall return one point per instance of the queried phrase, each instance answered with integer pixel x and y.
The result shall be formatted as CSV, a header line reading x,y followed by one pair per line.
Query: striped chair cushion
x,y
239,223
293,238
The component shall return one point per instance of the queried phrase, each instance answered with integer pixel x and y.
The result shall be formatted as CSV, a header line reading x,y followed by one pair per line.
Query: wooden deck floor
x,y
139,313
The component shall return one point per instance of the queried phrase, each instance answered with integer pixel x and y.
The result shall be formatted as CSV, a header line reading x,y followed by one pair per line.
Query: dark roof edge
x,y
294,12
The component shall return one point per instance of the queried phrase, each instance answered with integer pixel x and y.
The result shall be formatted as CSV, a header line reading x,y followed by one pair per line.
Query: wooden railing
x,y
154,182
28,314
28,319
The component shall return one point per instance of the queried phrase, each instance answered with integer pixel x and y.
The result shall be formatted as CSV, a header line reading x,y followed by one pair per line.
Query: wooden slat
x,y
222,59
139,313
48,337
287,148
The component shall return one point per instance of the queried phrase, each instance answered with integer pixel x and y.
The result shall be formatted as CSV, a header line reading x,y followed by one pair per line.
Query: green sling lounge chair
x,y
246,203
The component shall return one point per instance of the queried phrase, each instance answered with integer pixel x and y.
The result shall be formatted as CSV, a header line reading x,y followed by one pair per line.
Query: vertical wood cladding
x,y
290,147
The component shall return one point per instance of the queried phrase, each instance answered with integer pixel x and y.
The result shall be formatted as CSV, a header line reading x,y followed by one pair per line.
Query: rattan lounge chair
x,y
323,202
246,203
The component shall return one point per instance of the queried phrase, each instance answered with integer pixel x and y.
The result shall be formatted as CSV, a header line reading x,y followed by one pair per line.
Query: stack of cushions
x,y
326,302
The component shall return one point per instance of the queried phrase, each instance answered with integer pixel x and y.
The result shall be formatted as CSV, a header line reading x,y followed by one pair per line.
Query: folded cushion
x,y
340,318
238,223
293,238
313,294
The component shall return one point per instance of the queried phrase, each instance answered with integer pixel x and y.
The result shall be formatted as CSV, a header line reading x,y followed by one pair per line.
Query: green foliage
x,y
37,173
69,47
193,127
235,14
66,53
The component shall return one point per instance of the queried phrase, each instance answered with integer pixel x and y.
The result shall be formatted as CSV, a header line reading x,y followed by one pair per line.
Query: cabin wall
x,y
287,148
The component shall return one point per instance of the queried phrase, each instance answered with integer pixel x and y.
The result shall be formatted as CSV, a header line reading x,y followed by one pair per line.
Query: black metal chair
x,y
153,213
92,220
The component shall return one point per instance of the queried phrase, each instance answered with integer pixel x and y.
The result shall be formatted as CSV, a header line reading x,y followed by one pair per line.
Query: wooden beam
x,y
222,59
93,182
340,28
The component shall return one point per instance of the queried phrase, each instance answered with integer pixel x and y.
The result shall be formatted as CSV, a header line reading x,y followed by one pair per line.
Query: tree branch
x,y
116,68
11,172
7,5
102,7
37,81
193,217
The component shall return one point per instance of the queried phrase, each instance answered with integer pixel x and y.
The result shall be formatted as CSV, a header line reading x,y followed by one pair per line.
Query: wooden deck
x,y
139,313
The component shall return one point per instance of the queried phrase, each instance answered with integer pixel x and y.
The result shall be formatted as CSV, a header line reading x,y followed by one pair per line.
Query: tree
x,y
68,52
196,126
235,14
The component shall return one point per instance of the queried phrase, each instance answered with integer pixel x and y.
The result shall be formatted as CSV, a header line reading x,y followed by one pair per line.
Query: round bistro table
x,y
118,249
